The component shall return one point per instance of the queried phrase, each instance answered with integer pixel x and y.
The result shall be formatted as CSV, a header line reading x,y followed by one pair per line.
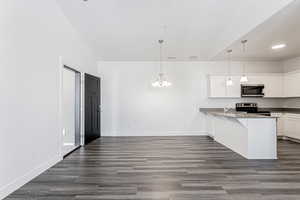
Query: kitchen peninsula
x,y
251,135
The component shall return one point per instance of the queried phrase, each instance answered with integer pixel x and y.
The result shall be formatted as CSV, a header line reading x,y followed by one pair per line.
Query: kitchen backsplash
x,y
292,103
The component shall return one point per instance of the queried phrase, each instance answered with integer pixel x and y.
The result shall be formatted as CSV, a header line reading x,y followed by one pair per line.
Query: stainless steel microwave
x,y
253,90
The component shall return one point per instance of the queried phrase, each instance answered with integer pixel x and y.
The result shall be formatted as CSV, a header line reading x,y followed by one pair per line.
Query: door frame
x,y
78,110
77,105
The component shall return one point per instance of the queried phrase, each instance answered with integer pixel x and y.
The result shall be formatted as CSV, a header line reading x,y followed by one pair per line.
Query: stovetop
x,y
251,108
264,113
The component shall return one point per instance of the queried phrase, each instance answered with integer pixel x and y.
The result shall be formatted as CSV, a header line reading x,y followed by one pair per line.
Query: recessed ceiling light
x,y
279,46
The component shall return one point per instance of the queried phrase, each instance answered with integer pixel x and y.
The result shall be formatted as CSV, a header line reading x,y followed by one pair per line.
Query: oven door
x,y
252,90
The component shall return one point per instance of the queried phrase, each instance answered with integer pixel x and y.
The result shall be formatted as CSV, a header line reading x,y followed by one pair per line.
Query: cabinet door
x,y
286,83
297,84
235,89
217,86
255,80
291,85
290,125
280,126
273,85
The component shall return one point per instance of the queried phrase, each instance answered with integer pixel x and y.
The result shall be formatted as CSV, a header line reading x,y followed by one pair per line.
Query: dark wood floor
x,y
167,168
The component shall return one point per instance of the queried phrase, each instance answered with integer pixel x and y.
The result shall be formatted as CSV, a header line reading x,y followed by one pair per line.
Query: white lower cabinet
x,y
289,125
280,123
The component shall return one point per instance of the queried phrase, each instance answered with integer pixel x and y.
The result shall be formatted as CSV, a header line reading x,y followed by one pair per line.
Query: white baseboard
x,y
154,133
19,182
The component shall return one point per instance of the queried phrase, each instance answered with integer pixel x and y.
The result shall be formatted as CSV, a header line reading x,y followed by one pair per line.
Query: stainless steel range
x,y
251,108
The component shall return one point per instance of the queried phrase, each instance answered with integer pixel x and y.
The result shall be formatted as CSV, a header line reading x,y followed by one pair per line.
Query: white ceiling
x,y
283,27
128,30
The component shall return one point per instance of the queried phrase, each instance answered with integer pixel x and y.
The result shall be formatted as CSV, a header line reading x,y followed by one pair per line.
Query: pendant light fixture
x,y
244,78
229,81
161,80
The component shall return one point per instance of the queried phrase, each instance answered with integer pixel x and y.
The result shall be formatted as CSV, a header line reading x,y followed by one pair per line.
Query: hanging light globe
x,y
229,82
244,79
161,81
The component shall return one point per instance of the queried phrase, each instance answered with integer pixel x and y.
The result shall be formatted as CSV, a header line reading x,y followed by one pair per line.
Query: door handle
x,y
99,108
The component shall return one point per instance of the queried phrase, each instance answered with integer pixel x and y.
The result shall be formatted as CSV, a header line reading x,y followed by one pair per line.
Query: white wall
x,y
132,107
33,34
292,65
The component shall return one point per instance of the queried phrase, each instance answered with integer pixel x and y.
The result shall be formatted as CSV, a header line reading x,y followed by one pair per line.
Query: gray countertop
x,y
233,114
272,110
238,115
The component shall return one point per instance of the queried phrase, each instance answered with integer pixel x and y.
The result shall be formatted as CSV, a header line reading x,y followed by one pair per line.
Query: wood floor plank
x,y
144,168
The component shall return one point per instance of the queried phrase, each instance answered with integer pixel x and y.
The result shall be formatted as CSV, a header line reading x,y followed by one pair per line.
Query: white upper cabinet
x,y
273,86
292,84
253,79
217,86
234,90
219,89
277,85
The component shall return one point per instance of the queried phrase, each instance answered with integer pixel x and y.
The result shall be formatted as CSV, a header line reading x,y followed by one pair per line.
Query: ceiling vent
x,y
193,57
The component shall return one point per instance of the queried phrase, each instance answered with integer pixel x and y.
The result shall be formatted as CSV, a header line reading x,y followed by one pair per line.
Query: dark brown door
x,y
92,108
